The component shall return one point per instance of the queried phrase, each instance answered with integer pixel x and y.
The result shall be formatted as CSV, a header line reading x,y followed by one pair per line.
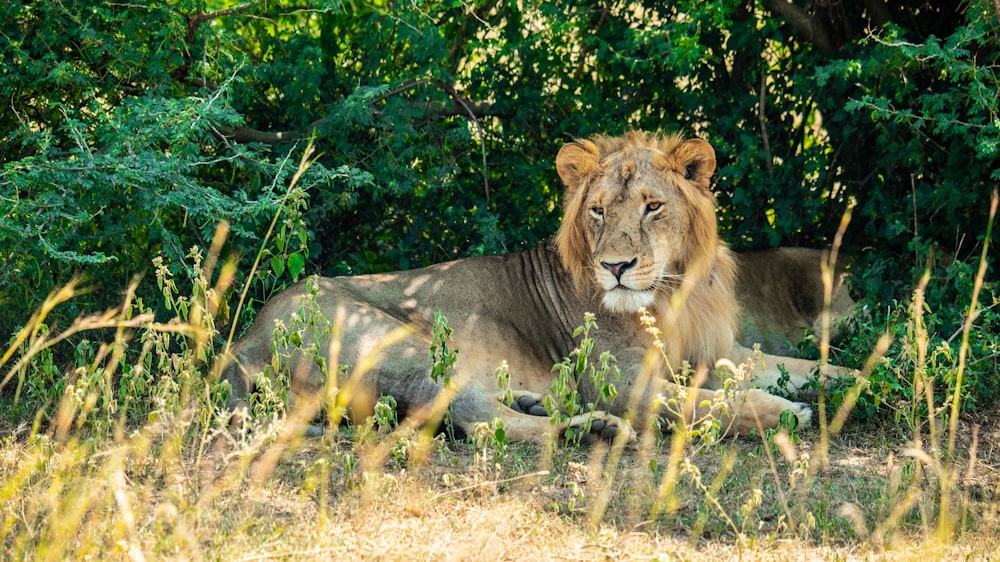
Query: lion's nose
x,y
618,268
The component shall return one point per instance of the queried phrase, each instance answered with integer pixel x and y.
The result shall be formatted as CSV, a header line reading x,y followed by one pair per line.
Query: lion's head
x,y
639,226
639,215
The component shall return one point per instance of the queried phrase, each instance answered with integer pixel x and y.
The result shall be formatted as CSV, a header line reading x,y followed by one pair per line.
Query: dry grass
x,y
148,496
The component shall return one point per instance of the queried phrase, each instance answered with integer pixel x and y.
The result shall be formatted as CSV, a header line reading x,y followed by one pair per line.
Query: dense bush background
x,y
130,130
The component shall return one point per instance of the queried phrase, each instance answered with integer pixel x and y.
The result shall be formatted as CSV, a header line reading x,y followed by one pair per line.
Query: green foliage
x,y
147,371
925,101
443,364
578,372
385,414
442,359
491,443
917,376
111,156
380,424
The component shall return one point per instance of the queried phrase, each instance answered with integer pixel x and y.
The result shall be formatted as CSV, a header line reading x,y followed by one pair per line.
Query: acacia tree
x,y
132,129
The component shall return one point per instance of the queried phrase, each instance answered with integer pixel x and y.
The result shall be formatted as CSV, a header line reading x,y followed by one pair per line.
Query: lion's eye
x,y
653,206
597,212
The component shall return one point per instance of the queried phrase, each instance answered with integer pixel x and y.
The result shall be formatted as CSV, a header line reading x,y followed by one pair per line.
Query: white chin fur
x,y
626,300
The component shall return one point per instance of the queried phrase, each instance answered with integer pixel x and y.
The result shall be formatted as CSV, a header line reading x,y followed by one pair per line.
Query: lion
x,y
639,233
780,293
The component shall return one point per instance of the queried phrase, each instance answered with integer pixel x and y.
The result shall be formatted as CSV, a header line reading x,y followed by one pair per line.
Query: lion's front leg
x,y
786,374
526,419
738,413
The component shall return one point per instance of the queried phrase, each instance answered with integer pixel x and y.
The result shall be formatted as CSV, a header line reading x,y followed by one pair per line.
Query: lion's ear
x,y
695,160
577,161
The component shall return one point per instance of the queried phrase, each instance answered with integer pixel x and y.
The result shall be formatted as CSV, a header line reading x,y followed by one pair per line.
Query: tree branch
x,y
804,23
248,134
461,106
199,17
183,72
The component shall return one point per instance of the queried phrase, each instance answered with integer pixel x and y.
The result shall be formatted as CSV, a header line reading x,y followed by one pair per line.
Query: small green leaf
x,y
296,263
277,265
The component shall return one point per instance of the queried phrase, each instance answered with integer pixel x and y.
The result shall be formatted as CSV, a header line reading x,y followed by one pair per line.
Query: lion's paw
x,y
600,425
525,402
803,412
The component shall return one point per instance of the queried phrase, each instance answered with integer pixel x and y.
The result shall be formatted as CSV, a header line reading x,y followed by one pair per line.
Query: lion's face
x,y
639,218
635,227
